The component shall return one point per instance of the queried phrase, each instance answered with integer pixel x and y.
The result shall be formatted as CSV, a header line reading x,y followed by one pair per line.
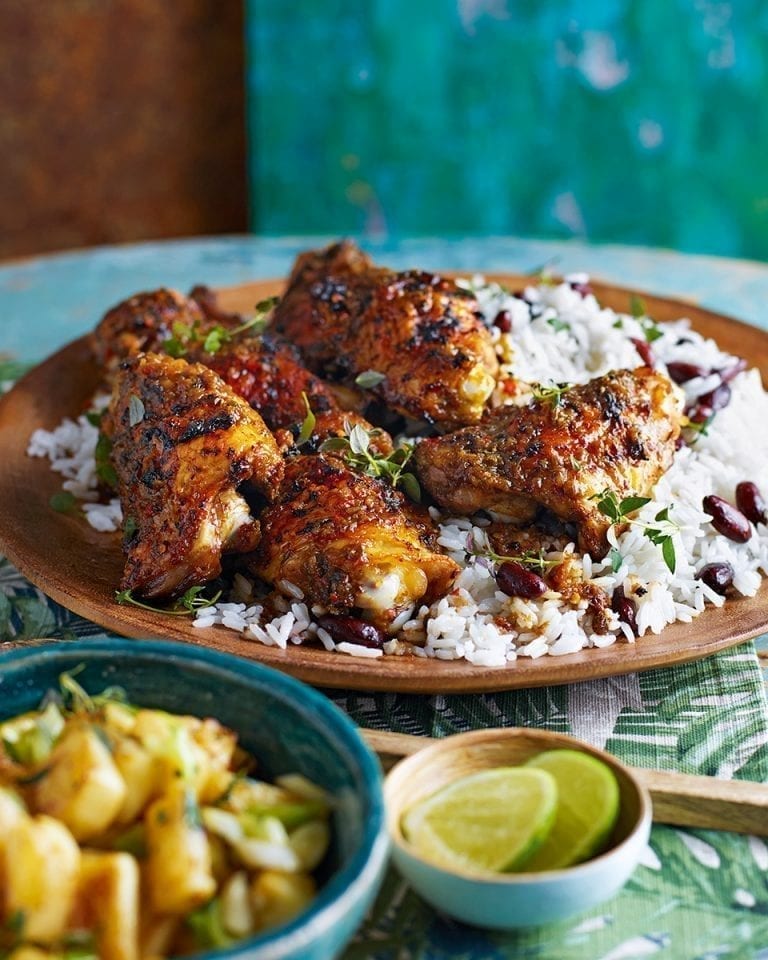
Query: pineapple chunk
x,y
83,787
108,902
142,774
179,870
42,864
278,897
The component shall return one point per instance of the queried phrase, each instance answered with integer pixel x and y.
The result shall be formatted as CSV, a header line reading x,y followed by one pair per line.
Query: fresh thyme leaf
x,y
94,417
618,324
189,603
608,505
651,330
637,306
668,552
369,379
410,486
63,501
359,439
308,424
557,324
103,457
130,526
135,410
616,560
630,504
214,340
268,303
333,444
553,394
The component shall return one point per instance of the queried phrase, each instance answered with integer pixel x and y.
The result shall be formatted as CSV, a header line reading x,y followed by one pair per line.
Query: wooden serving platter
x,y
81,568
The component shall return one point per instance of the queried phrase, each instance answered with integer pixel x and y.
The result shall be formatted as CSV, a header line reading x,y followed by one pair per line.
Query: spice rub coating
x,y
182,443
616,432
350,542
422,332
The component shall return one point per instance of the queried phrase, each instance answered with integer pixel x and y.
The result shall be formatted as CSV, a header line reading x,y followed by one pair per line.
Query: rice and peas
x,y
557,334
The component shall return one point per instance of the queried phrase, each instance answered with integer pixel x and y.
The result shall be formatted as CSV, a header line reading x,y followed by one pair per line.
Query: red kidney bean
x,y
750,501
583,288
351,630
726,519
513,579
503,321
683,372
716,399
644,349
728,373
717,576
624,608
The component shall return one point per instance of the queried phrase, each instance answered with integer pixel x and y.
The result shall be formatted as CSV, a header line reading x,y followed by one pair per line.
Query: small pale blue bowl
x,y
288,726
508,901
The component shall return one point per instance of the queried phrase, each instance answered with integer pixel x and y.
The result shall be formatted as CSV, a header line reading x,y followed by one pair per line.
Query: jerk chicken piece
x,y
350,542
268,372
617,432
143,324
182,442
420,331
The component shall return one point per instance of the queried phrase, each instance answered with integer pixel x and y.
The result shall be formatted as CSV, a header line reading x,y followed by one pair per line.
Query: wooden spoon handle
x,y
678,798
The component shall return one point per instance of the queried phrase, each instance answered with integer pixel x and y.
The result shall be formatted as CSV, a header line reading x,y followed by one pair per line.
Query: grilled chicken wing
x,y
350,542
420,331
143,324
268,372
182,442
617,432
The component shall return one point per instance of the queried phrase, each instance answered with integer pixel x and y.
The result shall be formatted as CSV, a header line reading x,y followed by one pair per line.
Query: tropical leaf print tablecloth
x,y
698,895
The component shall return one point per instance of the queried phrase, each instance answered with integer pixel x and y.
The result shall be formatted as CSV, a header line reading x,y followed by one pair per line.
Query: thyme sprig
x,y
188,604
355,449
189,335
659,531
533,559
550,394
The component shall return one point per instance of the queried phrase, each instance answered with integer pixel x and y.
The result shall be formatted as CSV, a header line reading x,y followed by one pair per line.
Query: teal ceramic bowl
x,y
513,900
288,726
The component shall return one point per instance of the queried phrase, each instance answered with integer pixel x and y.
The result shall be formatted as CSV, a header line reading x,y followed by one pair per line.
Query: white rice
x,y
557,336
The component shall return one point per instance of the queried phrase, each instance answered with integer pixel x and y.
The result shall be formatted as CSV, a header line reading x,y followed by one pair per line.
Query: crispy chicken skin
x,y
421,331
182,442
617,432
350,542
142,324
268,373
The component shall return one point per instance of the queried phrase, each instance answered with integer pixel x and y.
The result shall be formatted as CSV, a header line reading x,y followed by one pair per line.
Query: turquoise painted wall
x,y
632,122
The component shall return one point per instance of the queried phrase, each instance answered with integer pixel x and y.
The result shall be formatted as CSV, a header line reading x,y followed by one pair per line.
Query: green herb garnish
x,y
369,379
188,604
103,457
659,531
552,395
557,324
308,424
355,449
135,410
186,336
533,559
63,501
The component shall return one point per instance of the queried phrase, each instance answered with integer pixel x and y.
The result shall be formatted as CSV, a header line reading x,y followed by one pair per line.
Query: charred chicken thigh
x,y
421,332
617,432
350,542
143,324
182,443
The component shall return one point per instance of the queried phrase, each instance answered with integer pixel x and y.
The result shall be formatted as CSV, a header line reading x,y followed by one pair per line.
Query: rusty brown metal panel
x,y
119,120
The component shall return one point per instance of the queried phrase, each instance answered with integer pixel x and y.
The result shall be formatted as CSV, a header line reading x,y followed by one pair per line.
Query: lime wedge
x,y
586,813
488,821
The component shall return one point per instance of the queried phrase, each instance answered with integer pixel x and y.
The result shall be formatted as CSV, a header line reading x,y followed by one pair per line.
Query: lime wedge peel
x,y
587,809
488,822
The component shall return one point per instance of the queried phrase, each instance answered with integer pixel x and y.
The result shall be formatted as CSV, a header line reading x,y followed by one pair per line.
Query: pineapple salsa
x,y
128,832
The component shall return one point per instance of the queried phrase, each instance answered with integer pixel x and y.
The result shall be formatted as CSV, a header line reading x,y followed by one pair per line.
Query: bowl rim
x,y
336,897
550,739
